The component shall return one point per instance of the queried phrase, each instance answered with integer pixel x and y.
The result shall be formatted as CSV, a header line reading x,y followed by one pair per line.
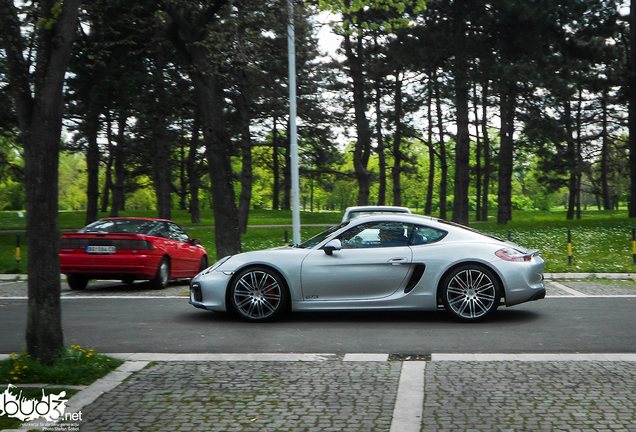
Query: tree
x,y
191,28
631,94
37,91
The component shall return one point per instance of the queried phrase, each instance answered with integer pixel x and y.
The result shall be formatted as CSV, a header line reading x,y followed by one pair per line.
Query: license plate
x,y
101,249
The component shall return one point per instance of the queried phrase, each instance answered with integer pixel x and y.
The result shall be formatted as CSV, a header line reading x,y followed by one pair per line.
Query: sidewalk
x,y
361,392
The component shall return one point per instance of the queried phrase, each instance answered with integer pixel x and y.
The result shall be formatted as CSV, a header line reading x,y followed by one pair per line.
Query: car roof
x,y
378,208
135,218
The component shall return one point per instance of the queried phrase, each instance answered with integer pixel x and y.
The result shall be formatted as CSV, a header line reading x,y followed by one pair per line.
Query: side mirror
x,y
333,245
195,242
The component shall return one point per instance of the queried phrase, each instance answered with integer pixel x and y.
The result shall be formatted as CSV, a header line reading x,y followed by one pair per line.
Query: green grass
x,y
76,366
601,240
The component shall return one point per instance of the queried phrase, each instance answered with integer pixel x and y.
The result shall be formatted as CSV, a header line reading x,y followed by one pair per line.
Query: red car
x,y
130,249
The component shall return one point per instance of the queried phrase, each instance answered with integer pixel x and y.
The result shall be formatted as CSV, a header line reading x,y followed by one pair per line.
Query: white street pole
x,y
292,126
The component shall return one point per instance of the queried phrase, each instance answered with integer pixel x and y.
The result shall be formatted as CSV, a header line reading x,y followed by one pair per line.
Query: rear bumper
x,y
115,266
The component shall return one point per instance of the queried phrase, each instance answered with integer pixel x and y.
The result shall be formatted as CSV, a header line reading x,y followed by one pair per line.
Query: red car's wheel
x,y
163,275
77,282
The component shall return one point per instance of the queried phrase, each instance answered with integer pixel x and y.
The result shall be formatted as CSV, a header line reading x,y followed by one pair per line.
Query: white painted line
x,y
628,357
366,357
562,287
224,357
589,275
409,403
69,297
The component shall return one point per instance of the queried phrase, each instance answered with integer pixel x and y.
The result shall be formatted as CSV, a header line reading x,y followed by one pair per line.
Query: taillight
x,y
510,254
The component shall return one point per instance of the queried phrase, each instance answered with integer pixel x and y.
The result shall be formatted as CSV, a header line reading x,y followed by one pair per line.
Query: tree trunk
x,y
486,137
160,145
631,95
193,171
504,195
183,179
477,156
188,31
275,168
605,190
40,123
218,151
245,196
119,197
92,166
380,147
397,141
362,148
462,142
428,208
571,155
108,183
443,185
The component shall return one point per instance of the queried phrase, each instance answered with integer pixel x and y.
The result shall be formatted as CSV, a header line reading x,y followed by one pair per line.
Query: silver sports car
x,y
378,262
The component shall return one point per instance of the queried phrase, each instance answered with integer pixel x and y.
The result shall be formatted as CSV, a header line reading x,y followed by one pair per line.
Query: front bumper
x,y
207,291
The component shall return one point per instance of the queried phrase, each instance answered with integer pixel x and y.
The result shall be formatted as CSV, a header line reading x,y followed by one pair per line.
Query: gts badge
x,y
311,297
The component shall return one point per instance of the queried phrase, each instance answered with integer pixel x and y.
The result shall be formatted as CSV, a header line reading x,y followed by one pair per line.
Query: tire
x,y
162,277
258,294
471,293
204,263
77,282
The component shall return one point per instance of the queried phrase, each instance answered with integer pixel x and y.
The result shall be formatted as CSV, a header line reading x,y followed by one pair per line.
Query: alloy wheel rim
x,y
471,294
257,295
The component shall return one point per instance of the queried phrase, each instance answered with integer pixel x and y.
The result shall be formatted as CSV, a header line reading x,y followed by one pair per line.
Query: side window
x,y
424,235
159,229
176,233
376,234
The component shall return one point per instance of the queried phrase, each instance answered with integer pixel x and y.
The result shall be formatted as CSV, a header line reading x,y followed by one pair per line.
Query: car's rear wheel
x,y
258,294
471,293
162,276
77,282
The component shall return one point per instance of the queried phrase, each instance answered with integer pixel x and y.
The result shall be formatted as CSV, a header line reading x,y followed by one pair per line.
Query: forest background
x,y
453,107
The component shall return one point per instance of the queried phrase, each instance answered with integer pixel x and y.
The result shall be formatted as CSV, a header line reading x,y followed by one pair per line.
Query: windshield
x,y
323,235
136,226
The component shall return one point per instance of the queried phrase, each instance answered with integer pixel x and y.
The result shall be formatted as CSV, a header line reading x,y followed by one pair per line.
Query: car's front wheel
x,y
77,282
471,293
258,294
162,276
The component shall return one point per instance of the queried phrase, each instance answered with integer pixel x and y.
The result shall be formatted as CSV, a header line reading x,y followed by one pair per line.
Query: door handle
x,y
397,261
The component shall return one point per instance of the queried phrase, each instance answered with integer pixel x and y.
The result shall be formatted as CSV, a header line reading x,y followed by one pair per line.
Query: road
x,y
116,318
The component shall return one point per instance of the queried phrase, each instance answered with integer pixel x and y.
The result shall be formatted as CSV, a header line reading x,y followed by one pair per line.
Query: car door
x,y
370,264
186,259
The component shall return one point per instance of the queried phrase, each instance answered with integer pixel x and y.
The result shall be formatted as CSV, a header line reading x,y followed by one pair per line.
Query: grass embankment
x,y
601,241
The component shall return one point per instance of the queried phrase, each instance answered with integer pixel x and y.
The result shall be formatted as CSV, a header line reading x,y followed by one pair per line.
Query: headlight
x,y
216,265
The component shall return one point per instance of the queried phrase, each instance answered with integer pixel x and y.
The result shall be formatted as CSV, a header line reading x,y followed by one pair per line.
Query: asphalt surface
x,y
464,387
